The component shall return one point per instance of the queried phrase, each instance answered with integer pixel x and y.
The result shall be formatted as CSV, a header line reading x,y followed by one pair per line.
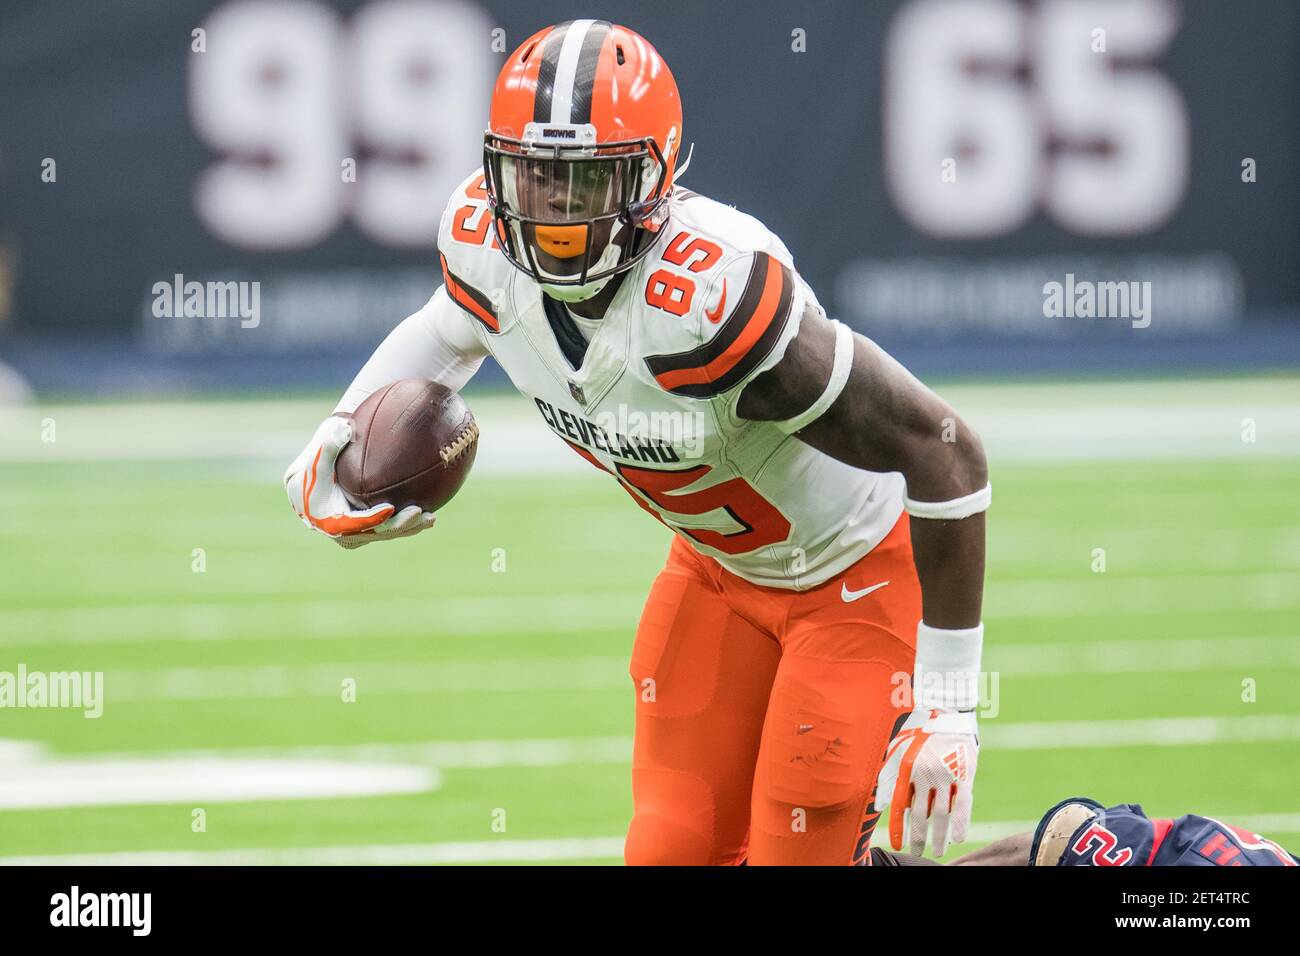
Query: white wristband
x,y
947,668
958,508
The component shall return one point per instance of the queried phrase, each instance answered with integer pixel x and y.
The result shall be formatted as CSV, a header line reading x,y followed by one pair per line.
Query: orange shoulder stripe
x,y
470,299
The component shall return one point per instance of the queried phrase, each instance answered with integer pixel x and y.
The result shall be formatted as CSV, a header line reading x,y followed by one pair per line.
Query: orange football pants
x,y
762,714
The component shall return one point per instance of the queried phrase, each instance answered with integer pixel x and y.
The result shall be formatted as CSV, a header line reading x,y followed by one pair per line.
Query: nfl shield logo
x,y
576,391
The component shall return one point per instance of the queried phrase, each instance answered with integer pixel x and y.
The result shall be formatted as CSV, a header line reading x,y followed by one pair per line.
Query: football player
x,y
828,508
1083,832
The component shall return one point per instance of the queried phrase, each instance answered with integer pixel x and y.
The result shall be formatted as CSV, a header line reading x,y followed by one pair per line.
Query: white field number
x,y
1099,140
287,91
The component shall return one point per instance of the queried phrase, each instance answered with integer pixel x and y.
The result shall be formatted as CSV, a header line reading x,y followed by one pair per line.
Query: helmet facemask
x,y
572,214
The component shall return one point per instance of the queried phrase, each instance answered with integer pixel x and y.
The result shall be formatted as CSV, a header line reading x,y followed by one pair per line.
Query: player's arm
x,y
845,396
884,420
438,343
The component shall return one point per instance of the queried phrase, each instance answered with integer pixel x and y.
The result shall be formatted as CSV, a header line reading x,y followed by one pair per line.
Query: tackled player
x,y
829,519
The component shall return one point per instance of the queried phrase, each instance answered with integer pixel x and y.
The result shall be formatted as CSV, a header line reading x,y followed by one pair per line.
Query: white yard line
x,y
1016,542
1019,422
1081,595
500,851
94,781
438,678
35,778
1156,656
485,851
268,773
511,675
1160,731
995,734
1108,595
444,754
309,619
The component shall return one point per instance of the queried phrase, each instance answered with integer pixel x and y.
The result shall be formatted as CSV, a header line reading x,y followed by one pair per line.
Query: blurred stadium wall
x,y
930,163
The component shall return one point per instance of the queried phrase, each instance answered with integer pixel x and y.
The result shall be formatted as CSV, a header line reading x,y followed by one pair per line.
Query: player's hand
x,y
928,778
410,520
321,504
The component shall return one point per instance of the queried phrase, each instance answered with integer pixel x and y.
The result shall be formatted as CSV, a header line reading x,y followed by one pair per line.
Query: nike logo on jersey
x,y
851,596
715,315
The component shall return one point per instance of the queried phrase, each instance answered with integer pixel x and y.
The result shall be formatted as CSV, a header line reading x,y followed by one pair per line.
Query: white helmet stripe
x,y
566,71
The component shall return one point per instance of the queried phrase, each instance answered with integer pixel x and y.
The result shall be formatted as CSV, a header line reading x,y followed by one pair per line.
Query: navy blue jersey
x,y
1123,835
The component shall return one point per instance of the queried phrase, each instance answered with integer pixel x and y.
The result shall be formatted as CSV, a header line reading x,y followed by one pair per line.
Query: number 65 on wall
x,y
1056,105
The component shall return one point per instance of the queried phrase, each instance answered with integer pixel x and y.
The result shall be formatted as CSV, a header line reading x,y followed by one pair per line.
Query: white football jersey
x,y
653,400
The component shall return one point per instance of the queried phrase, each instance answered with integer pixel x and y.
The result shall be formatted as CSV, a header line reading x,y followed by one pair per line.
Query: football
x,y
413,443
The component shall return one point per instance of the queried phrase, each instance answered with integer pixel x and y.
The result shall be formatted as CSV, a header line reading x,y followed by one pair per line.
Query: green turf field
x,y
492,711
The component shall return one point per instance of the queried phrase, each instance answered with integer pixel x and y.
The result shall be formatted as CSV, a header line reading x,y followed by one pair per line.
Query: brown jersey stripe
x,y
703,354
469,298
742,343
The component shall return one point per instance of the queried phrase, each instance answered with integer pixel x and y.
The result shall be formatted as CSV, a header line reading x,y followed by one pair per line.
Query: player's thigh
x,y
840,692
827,727
702,676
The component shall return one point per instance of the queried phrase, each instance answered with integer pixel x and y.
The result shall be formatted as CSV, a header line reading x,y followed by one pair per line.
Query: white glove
x,y
321,504
928,779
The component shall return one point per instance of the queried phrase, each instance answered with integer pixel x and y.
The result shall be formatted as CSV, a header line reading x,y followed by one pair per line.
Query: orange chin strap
x,y
562,242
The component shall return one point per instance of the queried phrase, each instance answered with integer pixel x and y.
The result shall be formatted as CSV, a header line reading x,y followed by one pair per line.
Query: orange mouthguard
x,y
562,242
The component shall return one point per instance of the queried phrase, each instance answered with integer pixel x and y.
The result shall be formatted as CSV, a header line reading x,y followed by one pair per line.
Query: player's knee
x,y
797,815
678,821
805,800
820,775
654,840
809,790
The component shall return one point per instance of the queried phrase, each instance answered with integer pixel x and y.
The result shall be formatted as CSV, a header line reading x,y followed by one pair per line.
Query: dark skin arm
x,y
886,420
1009,851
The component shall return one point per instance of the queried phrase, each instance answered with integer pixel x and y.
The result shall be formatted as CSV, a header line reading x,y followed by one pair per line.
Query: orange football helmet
x,y
579,155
